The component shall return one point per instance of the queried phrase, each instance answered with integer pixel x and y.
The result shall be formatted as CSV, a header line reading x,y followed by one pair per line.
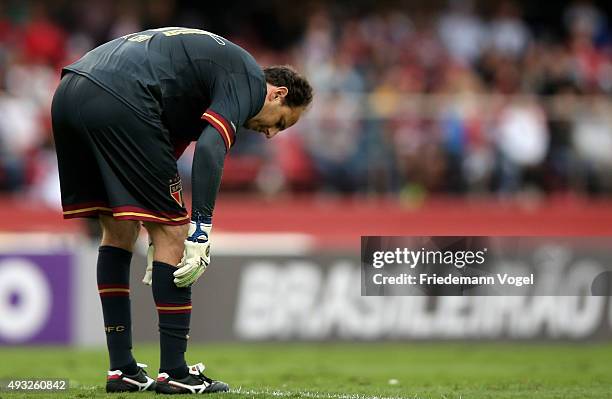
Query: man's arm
x,y
206,174
206,177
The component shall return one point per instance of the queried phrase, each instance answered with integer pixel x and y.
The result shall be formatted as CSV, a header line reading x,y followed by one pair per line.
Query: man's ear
x,y
280,92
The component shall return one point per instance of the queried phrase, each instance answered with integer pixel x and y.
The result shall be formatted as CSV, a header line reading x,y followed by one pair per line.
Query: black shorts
x,y
111,160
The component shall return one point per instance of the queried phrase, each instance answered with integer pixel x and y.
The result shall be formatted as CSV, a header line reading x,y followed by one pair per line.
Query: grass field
x,y
350,371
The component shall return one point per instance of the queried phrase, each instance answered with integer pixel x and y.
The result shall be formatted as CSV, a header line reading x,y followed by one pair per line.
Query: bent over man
x,y
122,115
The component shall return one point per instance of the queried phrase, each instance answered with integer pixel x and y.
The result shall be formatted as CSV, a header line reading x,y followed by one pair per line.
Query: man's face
x,y
274,115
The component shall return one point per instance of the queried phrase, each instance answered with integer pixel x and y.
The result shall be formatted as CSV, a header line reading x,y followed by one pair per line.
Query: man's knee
x,y
119,233
168,241
162,234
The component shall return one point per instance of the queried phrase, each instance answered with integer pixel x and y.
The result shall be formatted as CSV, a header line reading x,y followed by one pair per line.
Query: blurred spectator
x,y
42,40
584,18
522,140
462,31
592,138
408,101
127,19
508,34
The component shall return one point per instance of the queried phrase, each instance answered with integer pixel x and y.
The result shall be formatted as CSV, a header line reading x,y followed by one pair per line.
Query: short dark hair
x,y
299,90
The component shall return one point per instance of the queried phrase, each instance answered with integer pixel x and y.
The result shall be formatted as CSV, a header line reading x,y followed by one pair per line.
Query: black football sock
x,y
174,311
114,288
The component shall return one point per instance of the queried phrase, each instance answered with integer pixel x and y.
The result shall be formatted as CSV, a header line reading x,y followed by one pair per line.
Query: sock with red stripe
x,y
174,311
114,289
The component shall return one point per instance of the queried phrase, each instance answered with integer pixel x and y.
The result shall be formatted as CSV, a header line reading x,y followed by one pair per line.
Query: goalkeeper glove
x,y
196,256
148,277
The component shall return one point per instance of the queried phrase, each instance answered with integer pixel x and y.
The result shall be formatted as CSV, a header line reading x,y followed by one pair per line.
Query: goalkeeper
x,y
121,116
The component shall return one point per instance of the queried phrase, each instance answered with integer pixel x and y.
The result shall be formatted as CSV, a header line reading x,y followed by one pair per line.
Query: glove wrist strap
x,y
198,217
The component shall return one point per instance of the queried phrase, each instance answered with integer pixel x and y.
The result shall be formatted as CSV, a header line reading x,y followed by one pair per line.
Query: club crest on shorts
x,y
176,190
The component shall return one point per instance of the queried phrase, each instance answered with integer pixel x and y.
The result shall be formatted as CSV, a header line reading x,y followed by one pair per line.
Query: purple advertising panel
x,y
36,298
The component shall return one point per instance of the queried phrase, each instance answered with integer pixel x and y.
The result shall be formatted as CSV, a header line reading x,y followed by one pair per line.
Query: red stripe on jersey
x,y
222,126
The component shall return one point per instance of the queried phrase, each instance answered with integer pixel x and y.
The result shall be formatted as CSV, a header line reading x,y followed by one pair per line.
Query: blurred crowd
x,y
408,102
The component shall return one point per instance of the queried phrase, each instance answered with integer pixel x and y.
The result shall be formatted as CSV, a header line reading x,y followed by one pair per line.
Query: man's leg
x,y
115,255
173,303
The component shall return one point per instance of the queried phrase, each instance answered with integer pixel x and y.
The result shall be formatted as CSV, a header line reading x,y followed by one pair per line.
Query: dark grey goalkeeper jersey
x,y
181,77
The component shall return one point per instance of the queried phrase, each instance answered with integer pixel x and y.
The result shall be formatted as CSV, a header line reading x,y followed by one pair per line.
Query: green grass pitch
x,y
348,371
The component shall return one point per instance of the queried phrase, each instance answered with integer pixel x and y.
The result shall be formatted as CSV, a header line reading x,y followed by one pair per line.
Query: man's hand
x,y
196,256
